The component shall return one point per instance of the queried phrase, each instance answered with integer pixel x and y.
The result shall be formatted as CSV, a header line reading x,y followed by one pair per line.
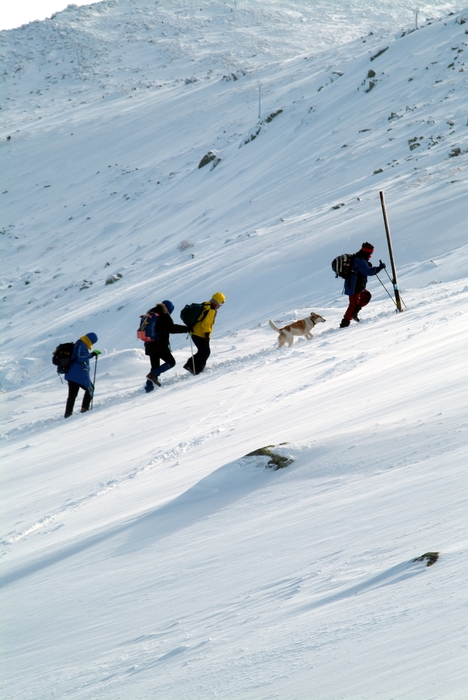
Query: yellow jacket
x,y
204,325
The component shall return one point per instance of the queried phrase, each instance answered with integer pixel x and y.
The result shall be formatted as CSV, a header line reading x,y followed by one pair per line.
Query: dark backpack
x,y
148,328
341,265
61,357
191,313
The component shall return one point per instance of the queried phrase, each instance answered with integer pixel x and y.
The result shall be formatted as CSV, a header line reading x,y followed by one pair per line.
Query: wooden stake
x,y
390,252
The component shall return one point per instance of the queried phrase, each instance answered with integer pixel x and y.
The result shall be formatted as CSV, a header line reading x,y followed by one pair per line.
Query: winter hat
x,y
219,298
92,337
169,305
367,247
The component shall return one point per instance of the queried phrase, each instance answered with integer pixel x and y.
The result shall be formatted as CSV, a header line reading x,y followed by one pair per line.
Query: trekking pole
x,y
94,383
390,251
386,290
193,358
402,300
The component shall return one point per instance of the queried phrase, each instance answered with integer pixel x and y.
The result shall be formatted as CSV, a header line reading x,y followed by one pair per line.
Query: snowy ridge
x,y
144,554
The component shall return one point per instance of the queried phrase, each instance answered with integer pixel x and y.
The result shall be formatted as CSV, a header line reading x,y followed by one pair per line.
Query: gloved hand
x,y
381,266
95,353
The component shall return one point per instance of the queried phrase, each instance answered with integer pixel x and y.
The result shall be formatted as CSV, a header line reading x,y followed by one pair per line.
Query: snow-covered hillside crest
x,y
148,555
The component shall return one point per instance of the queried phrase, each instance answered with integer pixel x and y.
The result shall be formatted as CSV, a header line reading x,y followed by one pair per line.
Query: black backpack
x,y
341,265
61,357
191,313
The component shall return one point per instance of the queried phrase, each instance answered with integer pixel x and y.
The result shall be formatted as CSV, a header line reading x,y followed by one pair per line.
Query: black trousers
x,y
201,356
155,358
73,389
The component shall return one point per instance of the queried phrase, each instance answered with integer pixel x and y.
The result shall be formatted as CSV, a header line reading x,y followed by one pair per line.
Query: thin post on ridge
x,y
390,252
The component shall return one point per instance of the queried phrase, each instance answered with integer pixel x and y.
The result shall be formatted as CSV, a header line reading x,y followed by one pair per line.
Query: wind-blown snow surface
x,y
144,556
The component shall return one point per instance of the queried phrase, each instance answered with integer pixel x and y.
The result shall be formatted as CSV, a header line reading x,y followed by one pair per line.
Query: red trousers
x,y
356,302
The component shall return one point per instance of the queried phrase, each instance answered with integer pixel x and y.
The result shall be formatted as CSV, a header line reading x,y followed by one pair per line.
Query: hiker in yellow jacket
x,y
201,333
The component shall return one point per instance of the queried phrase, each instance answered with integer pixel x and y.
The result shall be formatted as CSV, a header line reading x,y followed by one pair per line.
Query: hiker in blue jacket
x,y
355,283
160,349
78,376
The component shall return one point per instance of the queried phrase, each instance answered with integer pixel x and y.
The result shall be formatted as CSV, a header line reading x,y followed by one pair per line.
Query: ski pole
x,y
400,294
94,383
193,358
387,291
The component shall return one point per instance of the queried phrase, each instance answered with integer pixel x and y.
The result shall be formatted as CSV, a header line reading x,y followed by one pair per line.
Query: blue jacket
x,y
79,368
361,269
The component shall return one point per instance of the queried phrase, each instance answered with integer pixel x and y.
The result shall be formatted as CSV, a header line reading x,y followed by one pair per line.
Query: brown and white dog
x,y
302,327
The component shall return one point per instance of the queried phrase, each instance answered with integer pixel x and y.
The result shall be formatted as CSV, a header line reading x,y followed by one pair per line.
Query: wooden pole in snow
x,y
390,252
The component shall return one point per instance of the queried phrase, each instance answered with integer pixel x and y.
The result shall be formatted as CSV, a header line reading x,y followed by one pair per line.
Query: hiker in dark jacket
x,y
201,333
78,376
355,283
160,349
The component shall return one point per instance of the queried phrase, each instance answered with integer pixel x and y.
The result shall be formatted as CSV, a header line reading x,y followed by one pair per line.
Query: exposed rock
x,y
233,76
252,135
379,53
430,556
456,151
113,278
257,129
183,245
273,115
275,462
210,157
414,142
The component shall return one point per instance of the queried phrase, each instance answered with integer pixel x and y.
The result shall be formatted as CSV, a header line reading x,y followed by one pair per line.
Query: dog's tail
x,y
275,328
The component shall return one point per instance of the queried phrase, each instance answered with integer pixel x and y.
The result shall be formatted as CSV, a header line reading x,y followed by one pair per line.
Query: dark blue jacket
x,y
165,327
79,368
361,269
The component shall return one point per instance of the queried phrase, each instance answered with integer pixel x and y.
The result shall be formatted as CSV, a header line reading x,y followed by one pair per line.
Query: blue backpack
x,y
148,329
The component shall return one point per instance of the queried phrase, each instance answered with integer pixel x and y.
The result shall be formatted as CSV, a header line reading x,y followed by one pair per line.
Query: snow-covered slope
x,y
143,554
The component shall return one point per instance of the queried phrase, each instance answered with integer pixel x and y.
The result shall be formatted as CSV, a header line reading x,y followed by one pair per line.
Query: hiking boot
x,y
153,378
189,367
344,323
149,386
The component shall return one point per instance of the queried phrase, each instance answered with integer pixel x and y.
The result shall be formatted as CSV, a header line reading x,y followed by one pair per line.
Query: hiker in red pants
x,y
355,283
